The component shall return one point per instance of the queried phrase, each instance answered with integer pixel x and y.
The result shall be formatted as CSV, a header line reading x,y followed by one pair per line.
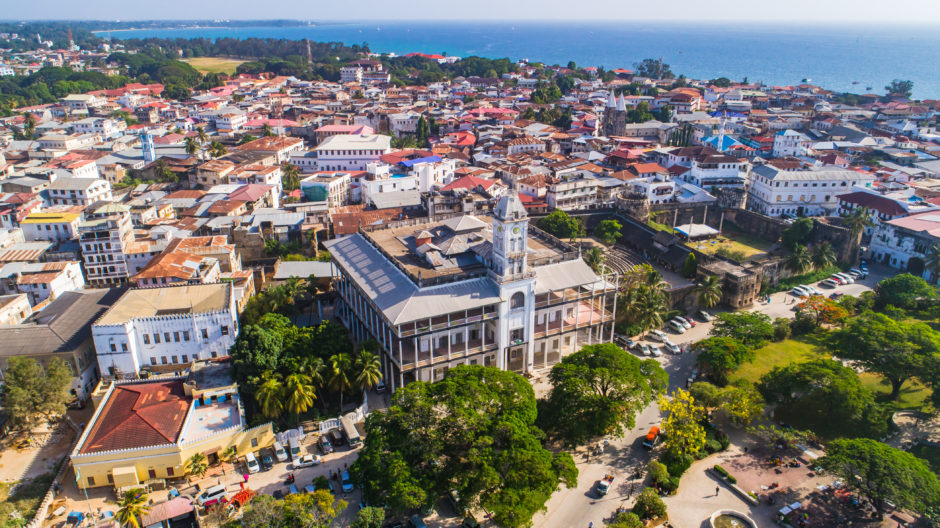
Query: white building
x,y
351,152
173,325
51,226
903,243
6,70
791,143
105,236
350,74
573,193
41,280
404,123
79,191
474,291
331,188
805,191
106,127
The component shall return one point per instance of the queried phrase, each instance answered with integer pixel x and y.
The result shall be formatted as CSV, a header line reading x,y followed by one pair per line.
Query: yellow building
x,y
143,432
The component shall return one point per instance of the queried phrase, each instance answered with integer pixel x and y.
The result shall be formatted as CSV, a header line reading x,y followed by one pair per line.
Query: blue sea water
x,y
843,58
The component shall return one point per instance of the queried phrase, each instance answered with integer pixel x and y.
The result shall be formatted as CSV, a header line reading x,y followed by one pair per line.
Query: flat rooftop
x,y
173,300
209,419
390,241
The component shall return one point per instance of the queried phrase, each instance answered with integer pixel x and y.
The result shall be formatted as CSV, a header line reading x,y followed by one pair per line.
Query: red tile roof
x,y
877,203
139,415
468,182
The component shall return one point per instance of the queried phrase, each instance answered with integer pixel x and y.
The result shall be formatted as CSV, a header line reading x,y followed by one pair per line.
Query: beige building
x,y
143,432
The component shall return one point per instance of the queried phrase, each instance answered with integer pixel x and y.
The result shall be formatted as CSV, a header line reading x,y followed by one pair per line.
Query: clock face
x,y
515,230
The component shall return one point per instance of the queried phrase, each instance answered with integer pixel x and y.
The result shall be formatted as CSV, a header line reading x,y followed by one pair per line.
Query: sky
x,y
820,11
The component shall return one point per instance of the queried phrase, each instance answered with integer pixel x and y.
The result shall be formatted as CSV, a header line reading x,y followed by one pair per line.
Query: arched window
x,y
516,301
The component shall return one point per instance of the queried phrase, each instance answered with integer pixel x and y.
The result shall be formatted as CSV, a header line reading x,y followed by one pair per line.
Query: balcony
x,y
412,357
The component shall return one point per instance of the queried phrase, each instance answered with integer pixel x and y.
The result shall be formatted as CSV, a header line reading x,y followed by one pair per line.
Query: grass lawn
x,y
930,454
659,227
749,246
26,498
913,396
214,64
799,349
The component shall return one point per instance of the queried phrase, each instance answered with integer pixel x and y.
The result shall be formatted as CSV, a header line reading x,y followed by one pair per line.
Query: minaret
x,y
611,100
621,104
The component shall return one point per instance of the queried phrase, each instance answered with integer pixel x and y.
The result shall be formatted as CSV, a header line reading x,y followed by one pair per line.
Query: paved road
x,y
574,508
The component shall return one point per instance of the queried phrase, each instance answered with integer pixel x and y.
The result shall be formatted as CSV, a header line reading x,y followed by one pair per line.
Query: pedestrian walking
x,y
745,449
717,489
591,524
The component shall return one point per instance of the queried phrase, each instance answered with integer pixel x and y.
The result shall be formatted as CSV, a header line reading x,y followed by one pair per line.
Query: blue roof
x,y
726,143
412,163
725,113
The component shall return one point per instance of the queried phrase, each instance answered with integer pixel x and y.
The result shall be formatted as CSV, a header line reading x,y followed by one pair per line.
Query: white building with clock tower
x,y
468,290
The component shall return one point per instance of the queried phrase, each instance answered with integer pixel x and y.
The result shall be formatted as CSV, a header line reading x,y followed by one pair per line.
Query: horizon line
x,y
699,21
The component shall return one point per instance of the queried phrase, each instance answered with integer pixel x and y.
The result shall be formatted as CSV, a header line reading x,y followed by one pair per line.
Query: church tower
x,y
615,116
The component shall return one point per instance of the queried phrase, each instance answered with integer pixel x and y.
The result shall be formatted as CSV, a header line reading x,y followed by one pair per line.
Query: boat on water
x,y
807,79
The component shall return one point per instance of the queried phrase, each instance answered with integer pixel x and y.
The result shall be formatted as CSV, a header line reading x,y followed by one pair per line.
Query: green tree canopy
x,y
882,473
690,266
31,393
753,329
904,291
608,231
563,226
899,87
473,432
798,234
825,396
598,391
649,505
255,351
898,351
719,356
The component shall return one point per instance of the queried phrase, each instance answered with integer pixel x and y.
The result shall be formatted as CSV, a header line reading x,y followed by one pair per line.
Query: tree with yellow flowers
x,y
682,429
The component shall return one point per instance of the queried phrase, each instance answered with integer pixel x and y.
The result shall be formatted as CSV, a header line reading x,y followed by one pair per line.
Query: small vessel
x,y
807,79
868,87
854,82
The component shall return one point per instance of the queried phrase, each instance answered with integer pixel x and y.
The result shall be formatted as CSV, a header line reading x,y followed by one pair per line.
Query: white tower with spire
x,y
516,284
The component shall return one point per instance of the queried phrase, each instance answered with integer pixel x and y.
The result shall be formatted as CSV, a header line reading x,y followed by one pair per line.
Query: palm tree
x,y
799,260
197,465
270,395
857,220
932,261
709,291
340,366
131,507
217,149
368,370
266,130
299,393
594,258
649,308
192,146
228,454
290,176
201,135
823,255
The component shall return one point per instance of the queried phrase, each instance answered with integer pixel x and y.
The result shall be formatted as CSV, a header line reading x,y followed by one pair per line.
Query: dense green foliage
x,y
882,473
608,231
309,510
718,356
598,391
560,224
904,291
31,392
472,432
825,396
752,329
797,234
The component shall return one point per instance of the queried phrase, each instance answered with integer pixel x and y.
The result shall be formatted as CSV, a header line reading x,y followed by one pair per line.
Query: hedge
x,y
724,473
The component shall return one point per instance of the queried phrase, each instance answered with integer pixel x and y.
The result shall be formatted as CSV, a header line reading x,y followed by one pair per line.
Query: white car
x,y
845,278
799,291
658,335
672,347
811,289
676,327
307,461
829,283
685,324
656,351
644,349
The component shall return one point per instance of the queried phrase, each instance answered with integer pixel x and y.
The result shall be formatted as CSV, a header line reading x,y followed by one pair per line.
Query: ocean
x,y
848,58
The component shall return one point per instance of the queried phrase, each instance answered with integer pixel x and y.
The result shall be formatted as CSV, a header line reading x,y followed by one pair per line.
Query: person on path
x,y
717,489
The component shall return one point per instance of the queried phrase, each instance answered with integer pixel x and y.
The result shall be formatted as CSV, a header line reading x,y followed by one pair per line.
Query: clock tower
x,y
516,285
510,229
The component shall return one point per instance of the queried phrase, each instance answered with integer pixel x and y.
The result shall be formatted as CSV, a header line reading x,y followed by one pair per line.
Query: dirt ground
x,y
19,461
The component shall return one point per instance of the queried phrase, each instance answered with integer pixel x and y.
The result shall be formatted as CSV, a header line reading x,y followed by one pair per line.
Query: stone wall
x,y
846,246
756,224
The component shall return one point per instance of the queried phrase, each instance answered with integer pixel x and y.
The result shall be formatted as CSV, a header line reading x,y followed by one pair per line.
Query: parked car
x,y
863,265
337,437
326,447
799,291
811,289
630,344
676,327
835,295
672,348
307,461
685,324
845,278
837,279
705,316
279,453
213,495
346,481
267,461
829,283
645,349
655,350
658,335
